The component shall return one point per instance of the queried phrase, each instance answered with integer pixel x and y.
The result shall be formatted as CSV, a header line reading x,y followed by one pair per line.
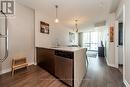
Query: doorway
x,y
119,42
120,47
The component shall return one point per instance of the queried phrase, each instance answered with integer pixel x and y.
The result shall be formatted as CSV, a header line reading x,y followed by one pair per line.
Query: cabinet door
x,y
45,59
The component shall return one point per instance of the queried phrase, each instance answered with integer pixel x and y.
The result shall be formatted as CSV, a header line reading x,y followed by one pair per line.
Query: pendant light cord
x,y
56,10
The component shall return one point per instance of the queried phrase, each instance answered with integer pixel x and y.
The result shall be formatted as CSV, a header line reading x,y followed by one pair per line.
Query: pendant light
x,y
56,20
76,25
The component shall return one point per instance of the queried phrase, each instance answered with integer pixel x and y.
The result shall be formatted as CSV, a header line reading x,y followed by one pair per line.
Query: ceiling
x,y
87,12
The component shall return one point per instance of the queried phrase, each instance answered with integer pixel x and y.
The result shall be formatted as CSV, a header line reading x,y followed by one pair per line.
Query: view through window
x,y
91,40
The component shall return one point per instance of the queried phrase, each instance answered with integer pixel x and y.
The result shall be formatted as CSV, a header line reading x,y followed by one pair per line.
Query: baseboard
x,y
9,69
31,64
126,83
111,65
35,63
5,71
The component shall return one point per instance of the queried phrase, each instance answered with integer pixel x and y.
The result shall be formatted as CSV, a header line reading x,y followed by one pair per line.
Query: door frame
x,y
124,46
121,11
117,46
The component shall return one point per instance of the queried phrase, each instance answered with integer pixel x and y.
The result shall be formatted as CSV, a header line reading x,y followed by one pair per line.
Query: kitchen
x,y
46,34
66,63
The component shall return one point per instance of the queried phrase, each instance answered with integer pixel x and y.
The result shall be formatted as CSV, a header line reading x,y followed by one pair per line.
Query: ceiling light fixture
x,y
76,25
56,20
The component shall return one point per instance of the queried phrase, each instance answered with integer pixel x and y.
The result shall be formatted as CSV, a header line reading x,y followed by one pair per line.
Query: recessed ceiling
x,y
87,12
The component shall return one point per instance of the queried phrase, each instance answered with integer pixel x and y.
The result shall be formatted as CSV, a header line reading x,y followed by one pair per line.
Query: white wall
x,y
43,40
21,36
119,10
111,45
127,43
58,32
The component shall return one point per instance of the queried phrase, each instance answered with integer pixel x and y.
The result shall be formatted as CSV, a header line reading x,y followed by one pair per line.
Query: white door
x,y
116,43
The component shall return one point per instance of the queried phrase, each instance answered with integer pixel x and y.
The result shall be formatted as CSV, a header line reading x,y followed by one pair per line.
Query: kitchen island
x,y
66,63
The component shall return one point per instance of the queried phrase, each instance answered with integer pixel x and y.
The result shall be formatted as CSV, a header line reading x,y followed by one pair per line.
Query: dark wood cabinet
x,y
46,59
58,63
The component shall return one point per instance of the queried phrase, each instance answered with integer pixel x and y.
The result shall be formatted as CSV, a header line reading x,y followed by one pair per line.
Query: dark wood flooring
x,y
34,76
98,75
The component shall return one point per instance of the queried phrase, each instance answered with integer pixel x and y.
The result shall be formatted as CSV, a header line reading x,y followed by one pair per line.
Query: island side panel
x,y
80,66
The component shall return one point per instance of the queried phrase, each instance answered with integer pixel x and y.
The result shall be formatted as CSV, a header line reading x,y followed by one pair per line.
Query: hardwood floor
x,y
33,77
98,75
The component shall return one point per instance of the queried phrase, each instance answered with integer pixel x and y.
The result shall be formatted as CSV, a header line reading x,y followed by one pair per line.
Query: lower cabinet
x,y
58,63
46,59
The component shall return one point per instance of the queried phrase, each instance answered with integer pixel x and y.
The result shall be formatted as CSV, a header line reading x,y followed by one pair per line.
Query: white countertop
x,y
71,49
